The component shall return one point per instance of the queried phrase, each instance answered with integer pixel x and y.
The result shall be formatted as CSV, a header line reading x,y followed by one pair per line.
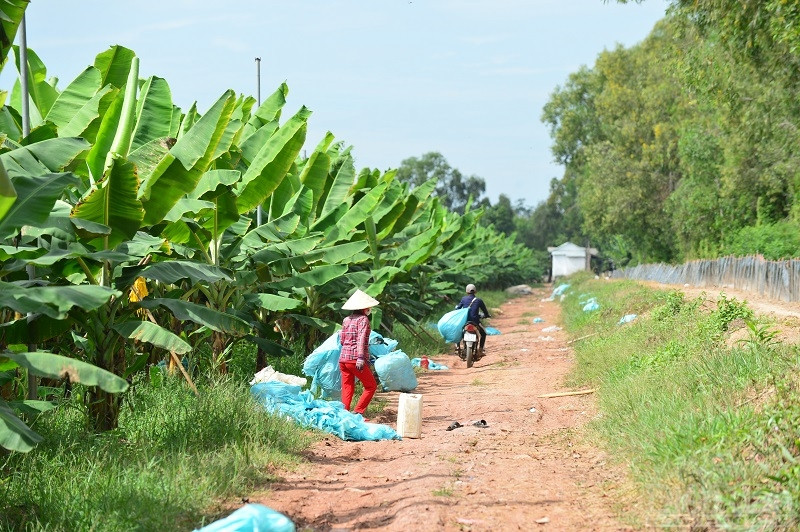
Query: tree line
x,y
684,146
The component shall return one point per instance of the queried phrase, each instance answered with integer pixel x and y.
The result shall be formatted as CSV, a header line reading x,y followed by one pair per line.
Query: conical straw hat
x,y
359,301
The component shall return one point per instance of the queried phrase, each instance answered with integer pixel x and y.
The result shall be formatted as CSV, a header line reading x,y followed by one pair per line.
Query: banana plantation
x,y
133,232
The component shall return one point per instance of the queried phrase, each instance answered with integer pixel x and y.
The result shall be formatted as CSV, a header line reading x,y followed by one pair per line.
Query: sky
x,y
392,78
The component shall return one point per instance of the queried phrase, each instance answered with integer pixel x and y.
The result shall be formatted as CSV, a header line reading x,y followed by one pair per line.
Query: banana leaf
x,y
36,197
200,314
14,434
272,302
53,301
113,203
58,367
11,14
45,157
154,112
114,65
173,271
269,167
183,166
145,331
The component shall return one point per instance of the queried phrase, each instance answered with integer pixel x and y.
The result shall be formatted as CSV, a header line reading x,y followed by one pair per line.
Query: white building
x,y
569,258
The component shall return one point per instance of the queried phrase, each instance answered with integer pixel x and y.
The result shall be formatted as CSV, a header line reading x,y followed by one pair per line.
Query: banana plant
x,y
15,435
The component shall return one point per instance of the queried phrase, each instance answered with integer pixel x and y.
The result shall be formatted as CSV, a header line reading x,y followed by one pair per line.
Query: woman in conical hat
x,y
354,357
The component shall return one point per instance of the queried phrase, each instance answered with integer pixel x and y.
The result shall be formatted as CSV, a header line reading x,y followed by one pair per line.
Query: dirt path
x,y
527,470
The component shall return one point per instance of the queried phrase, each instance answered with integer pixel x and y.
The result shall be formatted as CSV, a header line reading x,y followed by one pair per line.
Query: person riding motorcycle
x,y
476,306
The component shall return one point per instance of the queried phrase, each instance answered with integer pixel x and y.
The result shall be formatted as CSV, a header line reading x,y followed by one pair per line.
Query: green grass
x,y
173,456
709,432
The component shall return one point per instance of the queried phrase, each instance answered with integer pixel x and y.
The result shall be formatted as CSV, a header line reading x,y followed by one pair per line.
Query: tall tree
x,y
453,189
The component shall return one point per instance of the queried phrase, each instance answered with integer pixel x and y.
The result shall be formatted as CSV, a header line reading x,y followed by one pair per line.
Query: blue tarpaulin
x,y
328,416
252,518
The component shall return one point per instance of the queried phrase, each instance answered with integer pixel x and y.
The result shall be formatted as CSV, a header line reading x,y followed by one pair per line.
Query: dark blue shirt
x,y
474,309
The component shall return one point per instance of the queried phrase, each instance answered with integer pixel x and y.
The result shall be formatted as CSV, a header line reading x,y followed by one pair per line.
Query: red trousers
x,y
349,375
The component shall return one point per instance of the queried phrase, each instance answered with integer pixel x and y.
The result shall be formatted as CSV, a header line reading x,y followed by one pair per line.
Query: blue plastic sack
x,y
322,365
329,416
491,331
379,346
396,372
451,325
252,518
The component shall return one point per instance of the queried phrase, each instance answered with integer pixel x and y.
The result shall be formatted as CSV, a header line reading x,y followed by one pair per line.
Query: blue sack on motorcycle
x,y
451,324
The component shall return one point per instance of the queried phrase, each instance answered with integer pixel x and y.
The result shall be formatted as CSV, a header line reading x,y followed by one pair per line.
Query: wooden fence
x,y
779,280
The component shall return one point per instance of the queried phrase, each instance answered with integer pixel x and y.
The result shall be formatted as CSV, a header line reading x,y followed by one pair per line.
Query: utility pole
x,y
259,210
33,385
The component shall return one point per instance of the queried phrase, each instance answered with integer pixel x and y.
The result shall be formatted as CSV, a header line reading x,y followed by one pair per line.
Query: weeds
x,y
173,454
674,406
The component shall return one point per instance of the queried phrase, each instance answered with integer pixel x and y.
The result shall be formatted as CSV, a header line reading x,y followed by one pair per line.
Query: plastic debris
x,y
591,305
552,328
491,331
431,364
560,289
328,416
252,518
533,410
627,318
396,372
538,320
322,365
269,374
546,338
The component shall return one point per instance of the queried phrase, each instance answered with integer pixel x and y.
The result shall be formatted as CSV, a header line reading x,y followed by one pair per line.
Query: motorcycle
x,y
467,349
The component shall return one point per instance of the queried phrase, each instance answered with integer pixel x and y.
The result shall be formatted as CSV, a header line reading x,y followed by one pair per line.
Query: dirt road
x,y
527,470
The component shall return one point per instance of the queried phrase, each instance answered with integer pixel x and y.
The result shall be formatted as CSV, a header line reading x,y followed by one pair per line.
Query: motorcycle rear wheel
x,y
470,355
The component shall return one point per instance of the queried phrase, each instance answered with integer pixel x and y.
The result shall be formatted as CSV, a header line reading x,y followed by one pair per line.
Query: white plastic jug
x,y
409,415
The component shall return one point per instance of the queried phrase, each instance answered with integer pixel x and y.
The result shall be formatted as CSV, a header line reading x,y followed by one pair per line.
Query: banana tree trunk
x,y
218,345
110,355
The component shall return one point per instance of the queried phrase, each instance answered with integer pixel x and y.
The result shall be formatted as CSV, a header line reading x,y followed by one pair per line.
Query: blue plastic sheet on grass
x,y
627,318
451,325
431,364
322,365
252,518
591,305
328,416
396,372
491,331
560,289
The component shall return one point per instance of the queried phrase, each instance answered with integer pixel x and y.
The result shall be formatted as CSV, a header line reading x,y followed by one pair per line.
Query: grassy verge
x,y
709,429
172,456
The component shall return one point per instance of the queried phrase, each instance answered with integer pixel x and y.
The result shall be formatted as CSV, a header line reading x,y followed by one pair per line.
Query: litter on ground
x,y
627,318
251,518
431,364
491,331
269,374
552,328
538,320
328,416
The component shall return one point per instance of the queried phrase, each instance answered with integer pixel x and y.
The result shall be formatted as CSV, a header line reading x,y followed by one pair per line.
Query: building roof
x,y
570,250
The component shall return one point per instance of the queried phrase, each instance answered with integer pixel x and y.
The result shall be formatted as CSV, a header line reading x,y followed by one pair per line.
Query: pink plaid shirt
x,y
355,338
